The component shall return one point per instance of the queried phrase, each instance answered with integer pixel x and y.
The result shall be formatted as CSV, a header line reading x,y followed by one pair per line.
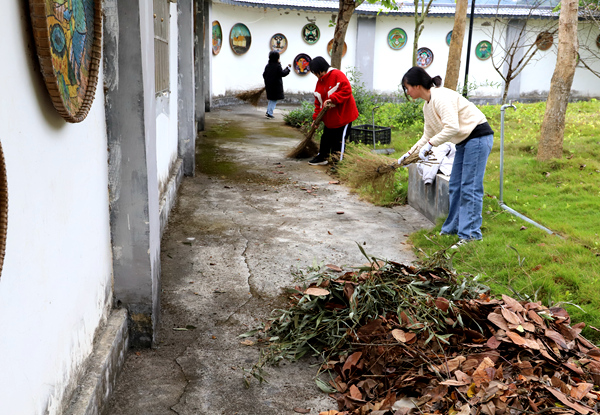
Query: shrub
x,y
300,117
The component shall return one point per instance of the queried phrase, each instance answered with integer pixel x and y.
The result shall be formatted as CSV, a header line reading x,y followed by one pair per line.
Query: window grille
x,y
161,45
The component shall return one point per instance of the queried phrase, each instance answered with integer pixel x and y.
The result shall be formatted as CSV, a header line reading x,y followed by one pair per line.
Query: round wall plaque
x,y
301,63
483,50
279,43
449,38
68,38
217,37
330,45
240,38
397,38
424,57
544,40
311,33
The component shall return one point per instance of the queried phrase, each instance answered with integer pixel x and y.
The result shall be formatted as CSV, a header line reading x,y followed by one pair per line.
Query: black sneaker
x,y
269,115
317,161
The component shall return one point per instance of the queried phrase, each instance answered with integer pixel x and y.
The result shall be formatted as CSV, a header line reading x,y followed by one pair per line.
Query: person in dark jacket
x,y
273,75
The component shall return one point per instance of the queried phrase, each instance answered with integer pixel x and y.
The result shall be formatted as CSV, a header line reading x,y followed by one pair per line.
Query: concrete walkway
x,y
248,218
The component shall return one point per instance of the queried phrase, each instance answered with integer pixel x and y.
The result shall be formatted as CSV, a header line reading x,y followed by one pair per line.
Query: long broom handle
x,y
317,121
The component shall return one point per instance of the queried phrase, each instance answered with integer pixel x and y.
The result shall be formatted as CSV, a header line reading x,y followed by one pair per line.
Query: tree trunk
x,y
347,8
456,44
419,24
553,126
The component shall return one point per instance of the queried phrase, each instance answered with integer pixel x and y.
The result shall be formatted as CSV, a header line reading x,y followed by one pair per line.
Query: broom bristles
x,y
368,168
251,96
308,147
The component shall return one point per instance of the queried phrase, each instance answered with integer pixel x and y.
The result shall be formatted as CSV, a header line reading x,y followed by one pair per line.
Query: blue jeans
x,y
271,106
466,188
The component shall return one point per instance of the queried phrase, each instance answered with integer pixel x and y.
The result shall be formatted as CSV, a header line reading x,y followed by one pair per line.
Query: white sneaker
x,y
463,242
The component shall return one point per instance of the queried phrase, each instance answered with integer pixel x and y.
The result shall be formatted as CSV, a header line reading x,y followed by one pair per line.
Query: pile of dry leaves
x,y
426,342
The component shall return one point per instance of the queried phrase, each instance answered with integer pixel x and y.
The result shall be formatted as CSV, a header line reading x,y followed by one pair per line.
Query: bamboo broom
x,y
308,147
252,96
361,167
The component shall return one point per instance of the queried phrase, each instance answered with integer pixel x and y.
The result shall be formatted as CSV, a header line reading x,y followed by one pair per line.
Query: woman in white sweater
x,y
451,117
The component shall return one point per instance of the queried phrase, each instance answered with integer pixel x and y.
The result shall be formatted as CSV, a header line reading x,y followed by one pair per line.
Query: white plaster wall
x,y
388,76
166,117
231,72
55,287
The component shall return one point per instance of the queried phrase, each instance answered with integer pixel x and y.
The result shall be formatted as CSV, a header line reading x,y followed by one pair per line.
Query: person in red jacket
x,y
333,89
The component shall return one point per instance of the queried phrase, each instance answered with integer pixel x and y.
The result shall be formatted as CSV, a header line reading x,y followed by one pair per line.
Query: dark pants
x,y
331,141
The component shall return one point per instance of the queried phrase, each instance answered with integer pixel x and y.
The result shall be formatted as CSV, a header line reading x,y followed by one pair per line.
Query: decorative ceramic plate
x,y
311,33
301,62
483,50
448,38
217,37
424,57
240,38
279,43
397,38
330,45
544,40
68,38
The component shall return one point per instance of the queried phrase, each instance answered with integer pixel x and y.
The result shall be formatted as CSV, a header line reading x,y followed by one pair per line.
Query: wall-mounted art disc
x,y
301,62
240,38
68,38
311,33
449,38
330,45
424,57
483,50
544,40
279,43
217,37
397,38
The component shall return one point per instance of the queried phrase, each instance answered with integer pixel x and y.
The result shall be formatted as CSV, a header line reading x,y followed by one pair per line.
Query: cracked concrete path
x,y
240,226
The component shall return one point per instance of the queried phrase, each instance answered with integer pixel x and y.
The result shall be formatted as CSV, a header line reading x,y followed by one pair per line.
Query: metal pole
x,y
501,200
469,49
373,115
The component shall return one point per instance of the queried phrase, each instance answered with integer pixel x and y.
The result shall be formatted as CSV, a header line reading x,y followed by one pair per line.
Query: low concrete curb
x,y
103,367
170,195
431,200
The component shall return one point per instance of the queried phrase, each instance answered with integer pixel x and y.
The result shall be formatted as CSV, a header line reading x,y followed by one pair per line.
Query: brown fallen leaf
x,y
581,390
402,336
247,342
302,410
334,182
498,320
483,374
563,398
355,392
316,291
513,304
442,303
557,338
351,362
333,267
453,364
510,316
339,212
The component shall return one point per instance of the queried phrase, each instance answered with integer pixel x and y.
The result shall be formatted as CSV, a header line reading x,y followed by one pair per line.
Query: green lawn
x,y
516,257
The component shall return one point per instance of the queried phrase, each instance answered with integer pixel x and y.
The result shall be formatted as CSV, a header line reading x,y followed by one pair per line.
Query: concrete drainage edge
x,y
103,367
